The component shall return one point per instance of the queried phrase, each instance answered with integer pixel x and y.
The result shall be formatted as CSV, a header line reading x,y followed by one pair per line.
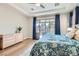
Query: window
x,y
45,25
70,20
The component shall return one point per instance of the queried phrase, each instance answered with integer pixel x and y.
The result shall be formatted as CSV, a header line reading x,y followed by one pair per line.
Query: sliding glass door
x,y
45,25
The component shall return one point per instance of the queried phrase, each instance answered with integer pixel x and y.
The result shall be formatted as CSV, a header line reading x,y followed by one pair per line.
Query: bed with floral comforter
x,y
55,49
55,45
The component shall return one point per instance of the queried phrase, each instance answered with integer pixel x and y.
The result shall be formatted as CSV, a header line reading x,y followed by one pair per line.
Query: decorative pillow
x,y
71,33
77,32
77,26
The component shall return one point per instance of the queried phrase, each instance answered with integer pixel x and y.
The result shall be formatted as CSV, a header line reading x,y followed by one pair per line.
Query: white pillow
x,y
77,32
71,34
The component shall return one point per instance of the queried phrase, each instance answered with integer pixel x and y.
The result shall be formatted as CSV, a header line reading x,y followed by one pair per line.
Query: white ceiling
x,y
30,9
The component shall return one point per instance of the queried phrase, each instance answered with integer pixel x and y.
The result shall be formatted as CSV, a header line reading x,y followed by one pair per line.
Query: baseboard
x,y
27,38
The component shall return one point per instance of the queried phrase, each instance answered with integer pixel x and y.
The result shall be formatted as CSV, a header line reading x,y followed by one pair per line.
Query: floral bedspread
x,y
54,49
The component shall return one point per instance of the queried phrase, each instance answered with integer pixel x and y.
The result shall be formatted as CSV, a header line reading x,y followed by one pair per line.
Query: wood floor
x,y
17,49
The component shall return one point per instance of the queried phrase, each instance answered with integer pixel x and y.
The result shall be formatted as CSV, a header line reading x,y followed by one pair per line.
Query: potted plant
x,y
18,30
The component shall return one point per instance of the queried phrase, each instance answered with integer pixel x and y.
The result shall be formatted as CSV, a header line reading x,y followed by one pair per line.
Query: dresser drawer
x,y
8,37
19,38
8,43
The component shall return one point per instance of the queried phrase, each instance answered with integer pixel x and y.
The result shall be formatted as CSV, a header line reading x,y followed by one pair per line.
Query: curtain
x,y
57,24
34,28
77,15
70,19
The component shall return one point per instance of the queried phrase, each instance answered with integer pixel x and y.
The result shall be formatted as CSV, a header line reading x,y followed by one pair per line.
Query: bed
x,y
54,49
54,45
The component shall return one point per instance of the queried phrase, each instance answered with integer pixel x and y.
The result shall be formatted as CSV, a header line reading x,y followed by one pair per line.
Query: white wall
x,y
10,18
64,23
73,18
64,19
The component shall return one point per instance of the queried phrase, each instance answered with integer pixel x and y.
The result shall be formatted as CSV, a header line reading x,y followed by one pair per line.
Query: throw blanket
x,y
54,49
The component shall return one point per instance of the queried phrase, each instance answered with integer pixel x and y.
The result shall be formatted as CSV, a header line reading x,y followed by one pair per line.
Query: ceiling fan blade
x,y
42,6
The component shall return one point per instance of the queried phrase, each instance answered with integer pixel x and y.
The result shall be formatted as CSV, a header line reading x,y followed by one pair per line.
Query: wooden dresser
x,y
8,40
